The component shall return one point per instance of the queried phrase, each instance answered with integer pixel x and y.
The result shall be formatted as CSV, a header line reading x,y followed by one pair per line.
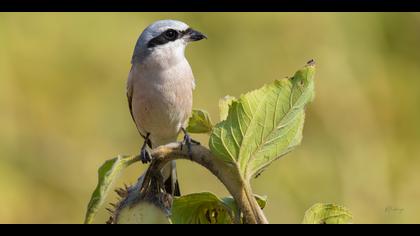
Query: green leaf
x,y
107,174
200,208
206,208
224,104
264,124
261,200
321,213
199,122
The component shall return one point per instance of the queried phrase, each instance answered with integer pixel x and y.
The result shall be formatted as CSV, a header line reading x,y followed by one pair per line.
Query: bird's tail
x,y
169,171
171,183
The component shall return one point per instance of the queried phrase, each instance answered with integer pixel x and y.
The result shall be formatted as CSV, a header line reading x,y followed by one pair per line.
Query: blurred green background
x,y
64,110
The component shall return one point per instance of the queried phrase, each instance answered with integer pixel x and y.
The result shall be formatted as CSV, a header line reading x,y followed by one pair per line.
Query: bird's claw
x,y
187,141
145,156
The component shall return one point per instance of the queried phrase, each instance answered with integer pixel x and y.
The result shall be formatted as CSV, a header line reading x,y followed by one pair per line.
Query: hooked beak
x,y
194,35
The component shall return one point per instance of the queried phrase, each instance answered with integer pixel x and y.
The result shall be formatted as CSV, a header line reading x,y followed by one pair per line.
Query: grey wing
x,y
129,93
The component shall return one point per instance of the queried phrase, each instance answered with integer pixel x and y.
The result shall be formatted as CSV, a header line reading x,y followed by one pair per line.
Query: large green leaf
x,y
321,213
206,208
264,124
200,208
199,122
107,173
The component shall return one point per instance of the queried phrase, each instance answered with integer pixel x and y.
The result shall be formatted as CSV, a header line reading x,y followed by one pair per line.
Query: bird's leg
x,y
144,153
188,141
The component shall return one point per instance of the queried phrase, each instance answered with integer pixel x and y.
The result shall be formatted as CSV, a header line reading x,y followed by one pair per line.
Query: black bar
x,y
214,5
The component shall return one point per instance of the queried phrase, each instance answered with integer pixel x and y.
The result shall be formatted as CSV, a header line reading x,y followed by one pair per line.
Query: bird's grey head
x,y
164,40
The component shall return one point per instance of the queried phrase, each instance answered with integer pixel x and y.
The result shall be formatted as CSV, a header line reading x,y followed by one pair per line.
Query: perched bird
x,y
159,89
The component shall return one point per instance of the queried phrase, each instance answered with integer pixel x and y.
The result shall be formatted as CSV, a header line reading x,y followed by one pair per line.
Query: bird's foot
x,y
187,141
145,156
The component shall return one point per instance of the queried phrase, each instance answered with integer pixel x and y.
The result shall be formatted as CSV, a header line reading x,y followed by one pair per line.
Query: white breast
x,y
161,100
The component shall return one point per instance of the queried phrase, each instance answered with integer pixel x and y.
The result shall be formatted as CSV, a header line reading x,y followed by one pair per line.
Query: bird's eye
x,y
171,34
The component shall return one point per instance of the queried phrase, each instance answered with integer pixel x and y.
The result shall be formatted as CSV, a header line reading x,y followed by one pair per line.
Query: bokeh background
x,y
64,110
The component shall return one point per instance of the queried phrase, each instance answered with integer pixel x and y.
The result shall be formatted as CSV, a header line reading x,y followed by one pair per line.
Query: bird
x,y
159,90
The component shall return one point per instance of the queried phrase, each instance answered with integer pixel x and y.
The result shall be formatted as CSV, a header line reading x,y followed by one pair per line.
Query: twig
x,y
227,173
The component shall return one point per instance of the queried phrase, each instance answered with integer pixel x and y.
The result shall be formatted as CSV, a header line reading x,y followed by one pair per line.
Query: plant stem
x,y
228,174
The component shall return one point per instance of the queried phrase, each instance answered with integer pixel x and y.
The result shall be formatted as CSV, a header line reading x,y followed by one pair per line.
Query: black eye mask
x,y
166,37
